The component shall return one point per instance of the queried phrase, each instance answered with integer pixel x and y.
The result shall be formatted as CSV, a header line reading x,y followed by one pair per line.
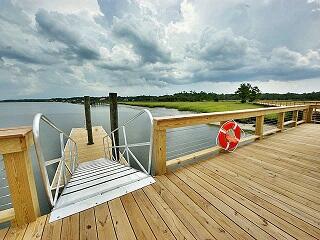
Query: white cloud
x,y
69,48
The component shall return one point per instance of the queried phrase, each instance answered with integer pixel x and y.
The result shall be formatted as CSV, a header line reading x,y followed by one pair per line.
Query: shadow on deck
x,y
265,190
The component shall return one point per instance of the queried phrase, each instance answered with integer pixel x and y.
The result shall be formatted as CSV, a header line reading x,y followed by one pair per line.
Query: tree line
x,y
245,93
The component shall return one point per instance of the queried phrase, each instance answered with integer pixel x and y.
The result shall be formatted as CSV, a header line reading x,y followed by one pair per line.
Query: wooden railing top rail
x,y
6,133
291,102
204,118
268,100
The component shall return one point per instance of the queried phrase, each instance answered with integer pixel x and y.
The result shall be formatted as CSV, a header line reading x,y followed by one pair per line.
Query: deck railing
x,y
15,144
286,102
263,121
314,106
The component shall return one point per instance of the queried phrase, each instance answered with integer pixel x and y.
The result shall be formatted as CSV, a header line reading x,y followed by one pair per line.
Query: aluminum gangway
x,y
77,186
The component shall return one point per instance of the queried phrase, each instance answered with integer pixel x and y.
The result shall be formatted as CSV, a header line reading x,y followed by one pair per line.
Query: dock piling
x,y
88,119
114,123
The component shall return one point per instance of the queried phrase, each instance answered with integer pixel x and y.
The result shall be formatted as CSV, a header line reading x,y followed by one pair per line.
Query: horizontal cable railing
x,y
316,114
186,137
5,196
183,141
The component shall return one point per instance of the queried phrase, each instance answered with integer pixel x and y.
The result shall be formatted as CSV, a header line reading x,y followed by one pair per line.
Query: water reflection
x,y
67,116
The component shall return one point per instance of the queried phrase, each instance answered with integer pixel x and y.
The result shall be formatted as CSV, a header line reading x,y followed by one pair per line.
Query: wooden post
x,y
160,150
295,118
259,126
309,114
280,123
305,115
14,145
114,123
88,119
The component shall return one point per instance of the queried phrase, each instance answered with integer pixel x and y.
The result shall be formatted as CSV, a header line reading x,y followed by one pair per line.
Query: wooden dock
x,y
88,152
269,189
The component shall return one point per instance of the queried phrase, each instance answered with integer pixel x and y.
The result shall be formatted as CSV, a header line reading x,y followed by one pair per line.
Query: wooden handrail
x,y
14,145
161,124
287,102
203,118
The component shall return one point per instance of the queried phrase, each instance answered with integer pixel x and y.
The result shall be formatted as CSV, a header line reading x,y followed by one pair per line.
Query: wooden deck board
x,y
52,231
104,222
265,190
3,233
71,227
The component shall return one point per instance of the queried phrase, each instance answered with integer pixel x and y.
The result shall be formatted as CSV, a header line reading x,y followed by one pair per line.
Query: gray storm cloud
x,y
156,44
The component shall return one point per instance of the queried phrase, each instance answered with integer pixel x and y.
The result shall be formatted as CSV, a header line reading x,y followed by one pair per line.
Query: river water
x,y
67,116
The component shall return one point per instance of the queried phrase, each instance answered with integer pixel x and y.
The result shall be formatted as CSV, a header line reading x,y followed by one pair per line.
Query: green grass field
x,y
200,107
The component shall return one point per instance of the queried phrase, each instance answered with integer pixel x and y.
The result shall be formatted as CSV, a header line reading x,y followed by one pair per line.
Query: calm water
x,y
66,116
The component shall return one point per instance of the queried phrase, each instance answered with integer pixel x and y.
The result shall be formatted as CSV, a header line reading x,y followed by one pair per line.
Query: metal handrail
x,y
127,146
62,166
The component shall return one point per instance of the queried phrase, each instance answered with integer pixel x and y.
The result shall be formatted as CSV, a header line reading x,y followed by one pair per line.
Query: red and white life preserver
x,y
229,136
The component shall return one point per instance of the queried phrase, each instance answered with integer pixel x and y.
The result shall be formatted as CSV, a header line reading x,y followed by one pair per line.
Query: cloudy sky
x,y
76,47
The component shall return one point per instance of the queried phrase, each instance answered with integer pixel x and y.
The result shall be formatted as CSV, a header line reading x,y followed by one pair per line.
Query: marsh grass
x,y
199,107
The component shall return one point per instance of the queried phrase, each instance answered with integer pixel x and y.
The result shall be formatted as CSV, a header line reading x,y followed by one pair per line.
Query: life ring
x,y
229,136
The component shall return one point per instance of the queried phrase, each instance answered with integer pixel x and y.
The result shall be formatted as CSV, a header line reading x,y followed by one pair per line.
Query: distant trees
x,y
244,93
248,93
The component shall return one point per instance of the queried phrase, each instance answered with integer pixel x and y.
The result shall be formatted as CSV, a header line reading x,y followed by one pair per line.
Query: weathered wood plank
x,y
52,231
136,218
167,214
3,233
185,216
241,220
70,227
254,215
120,220
235,230
35,229
156,223
250,201
275,191
104,223
276,179
282,210
201,216
16,233
88,228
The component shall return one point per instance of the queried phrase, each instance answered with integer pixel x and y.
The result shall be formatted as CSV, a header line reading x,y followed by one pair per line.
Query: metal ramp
x,y
77,186
97,182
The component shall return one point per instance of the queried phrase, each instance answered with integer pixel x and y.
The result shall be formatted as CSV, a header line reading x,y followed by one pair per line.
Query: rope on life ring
x,y
229,136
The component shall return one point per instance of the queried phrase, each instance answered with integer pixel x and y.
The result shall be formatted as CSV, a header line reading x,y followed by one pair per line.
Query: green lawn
x,y
203,107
